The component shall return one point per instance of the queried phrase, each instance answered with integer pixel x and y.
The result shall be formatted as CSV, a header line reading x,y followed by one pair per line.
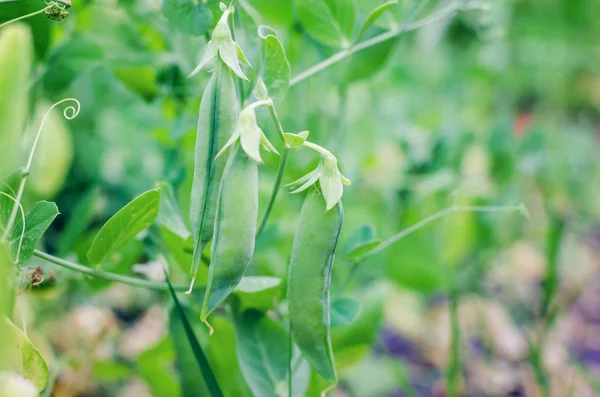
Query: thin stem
x,y
443,13
290,358
279,178
134,282
438,215
28,15
70,113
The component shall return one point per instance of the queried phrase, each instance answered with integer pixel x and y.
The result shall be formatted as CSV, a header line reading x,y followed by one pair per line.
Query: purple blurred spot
x,y
589,357
420,390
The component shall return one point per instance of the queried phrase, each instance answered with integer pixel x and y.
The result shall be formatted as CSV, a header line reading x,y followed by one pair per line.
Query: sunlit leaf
x,y
21,356
37,222
125,225
276,72
330,22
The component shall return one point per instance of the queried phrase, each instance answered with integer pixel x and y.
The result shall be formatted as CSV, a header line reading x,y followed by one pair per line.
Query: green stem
x,y
453,370
282,163
70,113
28,15
438,215
279,178
443,13
134,282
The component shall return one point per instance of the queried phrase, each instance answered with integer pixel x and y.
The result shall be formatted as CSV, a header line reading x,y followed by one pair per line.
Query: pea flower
x,y
327,173
222,45
250,134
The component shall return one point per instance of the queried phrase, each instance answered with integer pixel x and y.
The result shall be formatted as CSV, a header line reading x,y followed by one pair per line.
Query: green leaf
x,y
260,91
330,22
37,222
155,366
360,241
188,17
169,215
201,360
276,71
373,17
79,218
262,348
294,141
344,312
125,225
252,284
22,357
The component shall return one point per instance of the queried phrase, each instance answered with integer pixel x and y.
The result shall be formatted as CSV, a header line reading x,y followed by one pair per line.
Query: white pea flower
x,y
249,134
222,44
327,173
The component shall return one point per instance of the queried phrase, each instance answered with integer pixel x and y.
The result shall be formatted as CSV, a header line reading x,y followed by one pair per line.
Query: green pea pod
x,y
218,114
16,56
235,229
309,278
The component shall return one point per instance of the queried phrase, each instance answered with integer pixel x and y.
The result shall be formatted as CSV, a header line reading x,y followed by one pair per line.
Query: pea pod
x,y
309,278
216,122
16,55
235,229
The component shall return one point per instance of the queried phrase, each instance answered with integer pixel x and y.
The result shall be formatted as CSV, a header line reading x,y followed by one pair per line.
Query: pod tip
x,y
211,330
189,291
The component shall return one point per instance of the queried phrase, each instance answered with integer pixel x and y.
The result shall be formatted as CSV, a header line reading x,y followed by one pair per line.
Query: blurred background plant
x,y
485,107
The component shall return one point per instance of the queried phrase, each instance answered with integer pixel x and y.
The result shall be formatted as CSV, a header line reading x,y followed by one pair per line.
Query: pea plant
x,y
284,346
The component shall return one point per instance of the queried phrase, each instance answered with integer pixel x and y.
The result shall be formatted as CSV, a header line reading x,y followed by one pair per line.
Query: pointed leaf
x,y
330,22
262,346
360,241
276,70
344,312
201,359
37,222
168,213
374,16
136,216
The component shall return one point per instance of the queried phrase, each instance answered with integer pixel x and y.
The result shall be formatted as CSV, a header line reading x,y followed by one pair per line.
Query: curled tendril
x,y
17,257
69,113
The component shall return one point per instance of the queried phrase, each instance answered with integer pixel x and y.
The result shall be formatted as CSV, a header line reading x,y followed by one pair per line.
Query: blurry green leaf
x,y
40,26
374,16
69,60
262,346
330,22
344,312
360,241
276,71
191,382
125,225
251,284
294,141
78,220
222,354
155,366
260,91
200,357
169,215
111,371
37,222
21,356
188,17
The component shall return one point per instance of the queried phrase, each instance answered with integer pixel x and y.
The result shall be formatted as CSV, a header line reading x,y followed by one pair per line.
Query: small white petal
x,y
304,178
210,54
332,189
228,54
311,181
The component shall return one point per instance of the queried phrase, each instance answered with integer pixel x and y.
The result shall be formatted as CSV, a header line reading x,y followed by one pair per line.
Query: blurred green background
x,y
481,108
